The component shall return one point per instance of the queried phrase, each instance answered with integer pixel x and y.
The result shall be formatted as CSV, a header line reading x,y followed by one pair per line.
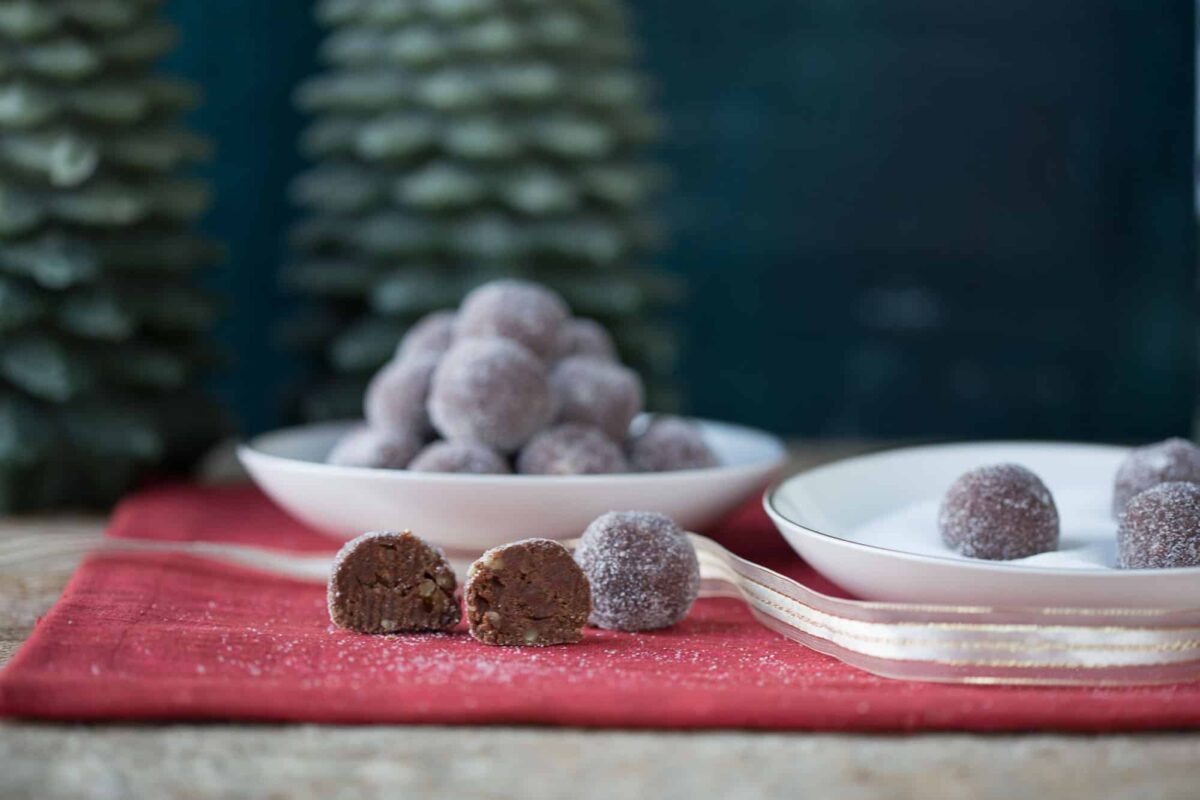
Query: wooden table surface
x,y
230,760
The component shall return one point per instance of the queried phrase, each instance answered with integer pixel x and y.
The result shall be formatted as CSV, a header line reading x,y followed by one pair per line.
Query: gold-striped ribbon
x,y
965,644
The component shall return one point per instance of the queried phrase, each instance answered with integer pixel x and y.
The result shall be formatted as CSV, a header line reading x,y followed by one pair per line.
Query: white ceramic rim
x,y
780,517
253,448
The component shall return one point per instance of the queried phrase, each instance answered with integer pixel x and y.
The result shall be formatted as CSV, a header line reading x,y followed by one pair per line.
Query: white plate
x,y
869,524
470,513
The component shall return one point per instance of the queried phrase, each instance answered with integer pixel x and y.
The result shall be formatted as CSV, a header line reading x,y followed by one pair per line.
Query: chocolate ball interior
x,y
528,593
385,582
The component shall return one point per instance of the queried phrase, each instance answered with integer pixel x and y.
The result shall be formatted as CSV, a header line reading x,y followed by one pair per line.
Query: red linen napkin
x,y
165,637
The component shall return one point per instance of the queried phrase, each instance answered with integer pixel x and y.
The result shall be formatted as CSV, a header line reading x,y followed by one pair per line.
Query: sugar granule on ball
x,y
492,391
1170,460
642,569
999,512
599,393
462,457
571,449
586,337
1160,528
387,582
671,443
368,447
432,333
528,313
397,396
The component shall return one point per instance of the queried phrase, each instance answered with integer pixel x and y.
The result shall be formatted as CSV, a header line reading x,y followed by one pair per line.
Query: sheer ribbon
x,y
957,644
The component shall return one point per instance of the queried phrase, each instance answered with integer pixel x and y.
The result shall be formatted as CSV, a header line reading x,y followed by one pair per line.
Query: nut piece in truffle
x,y
386,582
586,337
1170,460
671,443
999,513
599,393
642,568
396,397
527,593
1161,528
491,391
368,447
524,312
432,334
571,449
463,457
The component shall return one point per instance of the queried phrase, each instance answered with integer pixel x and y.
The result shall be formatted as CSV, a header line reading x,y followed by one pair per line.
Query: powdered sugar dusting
x,y
1170,460
642,568
1161,528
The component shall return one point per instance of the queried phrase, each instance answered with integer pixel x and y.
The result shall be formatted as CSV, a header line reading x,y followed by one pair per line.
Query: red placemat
x,y
151,636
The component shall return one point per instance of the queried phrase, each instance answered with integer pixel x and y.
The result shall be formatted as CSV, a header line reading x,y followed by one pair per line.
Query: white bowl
x,y
869,524
467,514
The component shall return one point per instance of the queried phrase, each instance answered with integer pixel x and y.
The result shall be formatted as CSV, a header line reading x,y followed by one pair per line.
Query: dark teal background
x,y
918,218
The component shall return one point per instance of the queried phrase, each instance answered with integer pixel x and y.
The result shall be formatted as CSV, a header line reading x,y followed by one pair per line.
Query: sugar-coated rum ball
x,y
463,457
525,312
642,569
1170,460
369,447
999,513
669,444
586,337
1161,528
432,333
594,392
396,397
492,391
571,449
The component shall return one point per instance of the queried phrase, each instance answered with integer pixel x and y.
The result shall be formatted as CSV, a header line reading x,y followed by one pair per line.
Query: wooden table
x,y
199,761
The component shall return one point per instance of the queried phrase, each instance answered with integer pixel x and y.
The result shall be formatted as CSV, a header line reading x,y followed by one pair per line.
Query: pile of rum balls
x,y
511,382
1004,511
631,571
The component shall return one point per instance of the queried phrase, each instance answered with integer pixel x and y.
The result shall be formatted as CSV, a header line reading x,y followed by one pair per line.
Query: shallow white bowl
x,y
869,524
470,513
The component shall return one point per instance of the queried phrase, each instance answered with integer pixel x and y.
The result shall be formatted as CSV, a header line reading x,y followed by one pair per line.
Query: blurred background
x,y
929,219
849,218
